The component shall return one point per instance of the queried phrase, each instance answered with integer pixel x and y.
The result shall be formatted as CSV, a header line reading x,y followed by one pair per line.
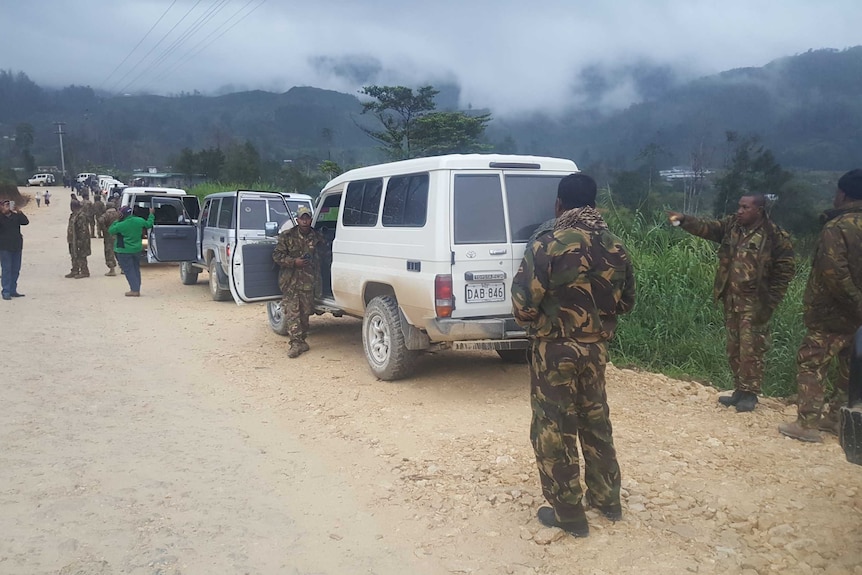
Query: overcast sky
x,y
506,55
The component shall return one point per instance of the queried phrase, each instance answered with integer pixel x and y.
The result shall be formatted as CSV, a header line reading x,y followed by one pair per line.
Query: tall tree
x,y
449,133
397,108
24,136
752,169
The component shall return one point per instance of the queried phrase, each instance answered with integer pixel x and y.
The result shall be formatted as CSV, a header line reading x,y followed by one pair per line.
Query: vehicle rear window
x,y
362,203
479,209
530,200
225,214
406,202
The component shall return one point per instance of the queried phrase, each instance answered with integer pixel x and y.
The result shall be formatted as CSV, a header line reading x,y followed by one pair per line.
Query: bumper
x,y
463,330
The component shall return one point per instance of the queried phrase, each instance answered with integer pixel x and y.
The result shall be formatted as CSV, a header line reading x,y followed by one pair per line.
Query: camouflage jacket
x,y
99,208
574,281
78,234
293,244
107,218
833,295
754,266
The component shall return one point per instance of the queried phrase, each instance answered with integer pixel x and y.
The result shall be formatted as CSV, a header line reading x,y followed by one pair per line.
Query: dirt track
x,y
171,434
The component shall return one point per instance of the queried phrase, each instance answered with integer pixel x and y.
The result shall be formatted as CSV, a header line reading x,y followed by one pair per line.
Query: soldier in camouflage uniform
x,y
90,212
98,209
299,252
108,217
572,283
833,313
755,266
78,237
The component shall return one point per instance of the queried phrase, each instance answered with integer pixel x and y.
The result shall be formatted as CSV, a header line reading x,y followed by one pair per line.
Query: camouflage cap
x,y
303,211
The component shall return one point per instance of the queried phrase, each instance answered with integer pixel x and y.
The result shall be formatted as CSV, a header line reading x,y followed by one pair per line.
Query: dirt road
x,y
171,434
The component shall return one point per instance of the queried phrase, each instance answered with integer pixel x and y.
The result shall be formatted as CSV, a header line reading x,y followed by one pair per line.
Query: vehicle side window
x,y
202,220
406,202
212,214
479,209
362,203
252,214
531,202
225,215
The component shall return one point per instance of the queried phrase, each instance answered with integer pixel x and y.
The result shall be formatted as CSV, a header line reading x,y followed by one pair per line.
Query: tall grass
x,y
676,328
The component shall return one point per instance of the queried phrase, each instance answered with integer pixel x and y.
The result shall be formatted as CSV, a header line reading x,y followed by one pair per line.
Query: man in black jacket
x,y
11,246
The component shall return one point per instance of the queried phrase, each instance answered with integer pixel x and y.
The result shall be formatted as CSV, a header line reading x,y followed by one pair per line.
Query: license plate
x,y
485,292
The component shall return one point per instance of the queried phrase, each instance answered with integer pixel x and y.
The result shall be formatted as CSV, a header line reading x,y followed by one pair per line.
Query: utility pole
x,y
62,156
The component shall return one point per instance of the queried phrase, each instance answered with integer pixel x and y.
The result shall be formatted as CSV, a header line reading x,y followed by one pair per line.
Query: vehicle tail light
x,y
444,302
227,251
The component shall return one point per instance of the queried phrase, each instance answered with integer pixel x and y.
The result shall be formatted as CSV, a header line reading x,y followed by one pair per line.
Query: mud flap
x,y
850,424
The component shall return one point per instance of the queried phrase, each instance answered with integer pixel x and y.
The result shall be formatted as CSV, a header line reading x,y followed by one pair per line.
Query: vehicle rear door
x,y
173,237
481,249
253,274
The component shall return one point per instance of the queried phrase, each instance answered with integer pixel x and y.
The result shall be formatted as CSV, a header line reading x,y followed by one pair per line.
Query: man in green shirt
x,y
129,230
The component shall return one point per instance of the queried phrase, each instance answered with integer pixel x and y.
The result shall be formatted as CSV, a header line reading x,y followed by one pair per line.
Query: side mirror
x,y
270,229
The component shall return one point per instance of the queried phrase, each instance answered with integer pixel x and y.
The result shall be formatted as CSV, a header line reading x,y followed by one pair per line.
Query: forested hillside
x,y
805,108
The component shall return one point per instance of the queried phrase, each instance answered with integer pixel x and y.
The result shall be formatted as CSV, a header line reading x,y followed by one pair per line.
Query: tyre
x,y
188,273
276,317
216,291
383,340
513,355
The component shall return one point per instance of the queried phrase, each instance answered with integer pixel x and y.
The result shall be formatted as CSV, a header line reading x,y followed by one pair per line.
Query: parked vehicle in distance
x,y
106,183
216,231
41,180
172,206
84,176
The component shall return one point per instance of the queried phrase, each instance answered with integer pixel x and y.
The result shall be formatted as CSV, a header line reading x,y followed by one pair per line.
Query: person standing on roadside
x,y
569,289
11,248
832,313
78,237
298,253
755,266
129,230
38,198
98,210
108,217
47,198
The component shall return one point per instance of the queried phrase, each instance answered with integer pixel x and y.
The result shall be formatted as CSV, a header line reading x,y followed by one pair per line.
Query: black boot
x,y
746,402
728,400
614,512
577,526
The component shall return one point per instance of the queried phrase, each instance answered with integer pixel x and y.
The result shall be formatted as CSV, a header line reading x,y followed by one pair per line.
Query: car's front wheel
x,y
276,317
216,291
383,340
188,274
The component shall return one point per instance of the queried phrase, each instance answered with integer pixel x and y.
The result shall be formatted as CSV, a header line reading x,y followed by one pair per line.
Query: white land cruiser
x,y
423,251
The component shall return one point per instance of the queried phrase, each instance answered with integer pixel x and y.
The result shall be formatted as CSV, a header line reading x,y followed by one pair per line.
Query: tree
x,y
24,136
242,164
186,163
397,108
449,133
211,162
752,169
331,169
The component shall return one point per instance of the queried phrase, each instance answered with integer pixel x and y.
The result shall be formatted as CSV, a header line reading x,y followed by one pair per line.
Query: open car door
x,y
173,237
253,274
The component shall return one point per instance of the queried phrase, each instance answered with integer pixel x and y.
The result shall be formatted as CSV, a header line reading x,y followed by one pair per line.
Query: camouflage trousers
x,y
110,257
297,306
813,359
91,224
570,404
748,341
79,265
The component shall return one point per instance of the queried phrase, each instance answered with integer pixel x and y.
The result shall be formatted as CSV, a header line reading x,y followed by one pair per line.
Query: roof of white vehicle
x,y
456,162
154,190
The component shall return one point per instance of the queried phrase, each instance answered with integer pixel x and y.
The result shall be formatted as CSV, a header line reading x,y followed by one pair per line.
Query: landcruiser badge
x,y
471,254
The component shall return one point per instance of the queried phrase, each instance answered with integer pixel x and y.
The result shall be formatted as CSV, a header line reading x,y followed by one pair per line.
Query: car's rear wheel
x,y
216,291
188,274
383,340
513,355
276,317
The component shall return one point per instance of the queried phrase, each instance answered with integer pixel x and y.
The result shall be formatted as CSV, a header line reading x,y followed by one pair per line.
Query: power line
x,y
168,9
193,28
162,39
195,51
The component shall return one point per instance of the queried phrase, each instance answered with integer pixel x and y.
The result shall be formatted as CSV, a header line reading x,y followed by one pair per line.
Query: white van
x,y
84,176
41,180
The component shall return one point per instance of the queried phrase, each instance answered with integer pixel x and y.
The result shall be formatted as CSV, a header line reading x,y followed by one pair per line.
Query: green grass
x,y
207,188
676,328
